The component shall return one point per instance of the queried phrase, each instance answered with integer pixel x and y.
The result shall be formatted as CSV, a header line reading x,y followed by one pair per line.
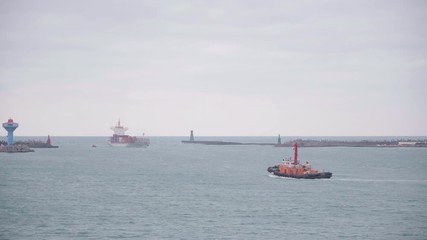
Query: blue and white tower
x,y
10,126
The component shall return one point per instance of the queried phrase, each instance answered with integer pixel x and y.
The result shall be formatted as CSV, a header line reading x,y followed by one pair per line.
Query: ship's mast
x,y
296,154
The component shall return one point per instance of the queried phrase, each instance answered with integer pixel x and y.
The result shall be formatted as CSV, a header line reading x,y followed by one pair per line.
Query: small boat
x,y
294,169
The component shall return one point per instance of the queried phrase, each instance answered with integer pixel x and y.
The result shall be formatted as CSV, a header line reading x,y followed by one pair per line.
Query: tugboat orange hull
x,y
275,170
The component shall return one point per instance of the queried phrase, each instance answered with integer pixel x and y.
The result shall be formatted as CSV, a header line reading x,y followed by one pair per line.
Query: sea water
x,y
172,190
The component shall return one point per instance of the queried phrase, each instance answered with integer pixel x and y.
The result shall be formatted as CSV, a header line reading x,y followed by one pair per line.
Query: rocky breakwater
x,y
15,148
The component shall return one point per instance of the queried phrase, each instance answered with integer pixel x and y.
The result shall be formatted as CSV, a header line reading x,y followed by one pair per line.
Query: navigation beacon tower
x,y
192,136
10,126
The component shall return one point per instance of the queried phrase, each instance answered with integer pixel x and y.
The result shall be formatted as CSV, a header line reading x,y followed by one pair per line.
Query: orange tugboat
x,y
296,170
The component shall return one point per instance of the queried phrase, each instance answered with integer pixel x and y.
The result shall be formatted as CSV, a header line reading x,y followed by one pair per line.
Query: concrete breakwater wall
x,y
226,143
36,144
324,143
365,143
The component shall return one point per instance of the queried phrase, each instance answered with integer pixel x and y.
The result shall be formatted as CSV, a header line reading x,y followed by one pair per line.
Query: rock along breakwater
x,y
16,148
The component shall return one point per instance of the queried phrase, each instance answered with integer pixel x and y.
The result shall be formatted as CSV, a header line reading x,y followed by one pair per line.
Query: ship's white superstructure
x,y
118,129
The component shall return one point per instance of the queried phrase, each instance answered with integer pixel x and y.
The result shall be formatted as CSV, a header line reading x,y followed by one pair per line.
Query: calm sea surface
x,y
172,190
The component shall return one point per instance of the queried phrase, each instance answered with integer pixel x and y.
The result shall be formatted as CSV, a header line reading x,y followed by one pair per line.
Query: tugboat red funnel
x,y
296,154
296,170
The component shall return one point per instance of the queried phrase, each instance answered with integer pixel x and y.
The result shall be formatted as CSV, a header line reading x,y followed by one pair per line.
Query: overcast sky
x,y
224,68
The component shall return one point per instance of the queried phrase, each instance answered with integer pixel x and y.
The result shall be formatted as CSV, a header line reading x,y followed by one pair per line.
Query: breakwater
x,y
16,148
36,144
324,143
363,143
24,146
226,143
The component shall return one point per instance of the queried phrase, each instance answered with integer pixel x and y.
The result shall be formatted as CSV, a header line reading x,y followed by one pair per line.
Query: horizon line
x,y
225,136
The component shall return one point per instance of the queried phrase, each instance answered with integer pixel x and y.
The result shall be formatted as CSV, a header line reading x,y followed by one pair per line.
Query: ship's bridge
x,y
119,130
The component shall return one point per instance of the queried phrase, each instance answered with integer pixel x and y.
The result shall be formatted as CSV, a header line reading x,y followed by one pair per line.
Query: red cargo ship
x,y
120,139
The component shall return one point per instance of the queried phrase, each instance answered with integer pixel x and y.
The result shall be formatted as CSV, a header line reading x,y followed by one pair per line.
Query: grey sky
x,y
217,67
